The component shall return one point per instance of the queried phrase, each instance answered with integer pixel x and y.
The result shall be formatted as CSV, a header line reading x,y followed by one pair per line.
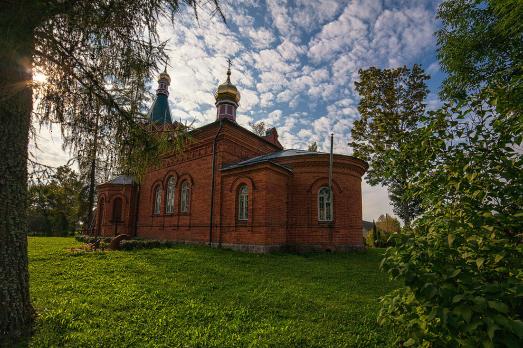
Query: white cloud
x,y
266,99
271,60
244,120
242,19
47,147
433,68
284,96
274,117
278,9
308,13
290,51
260,37
249,99
271,81
402,33
305,133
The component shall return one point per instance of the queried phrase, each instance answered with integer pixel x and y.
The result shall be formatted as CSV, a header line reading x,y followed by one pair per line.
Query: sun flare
x,y
39,77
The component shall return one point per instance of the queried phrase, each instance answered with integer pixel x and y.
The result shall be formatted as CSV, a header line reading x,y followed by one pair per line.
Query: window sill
x,y
326,223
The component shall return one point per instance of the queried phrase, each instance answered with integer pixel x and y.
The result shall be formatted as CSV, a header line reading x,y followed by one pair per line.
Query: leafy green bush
x,y
133,244
130,244
383,239
462,262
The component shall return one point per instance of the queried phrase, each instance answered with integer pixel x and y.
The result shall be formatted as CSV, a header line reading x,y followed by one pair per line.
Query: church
x,y
232,188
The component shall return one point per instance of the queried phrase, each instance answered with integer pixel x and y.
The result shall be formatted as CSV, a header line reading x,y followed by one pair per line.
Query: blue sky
x,y
295,64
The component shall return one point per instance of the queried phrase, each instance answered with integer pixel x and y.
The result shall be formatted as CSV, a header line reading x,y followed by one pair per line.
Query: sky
x,y
294,63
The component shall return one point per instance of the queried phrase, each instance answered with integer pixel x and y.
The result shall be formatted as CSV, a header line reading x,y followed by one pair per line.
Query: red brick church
x,y
232,188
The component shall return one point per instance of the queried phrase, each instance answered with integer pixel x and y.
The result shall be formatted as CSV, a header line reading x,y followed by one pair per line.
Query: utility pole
x,y
330,164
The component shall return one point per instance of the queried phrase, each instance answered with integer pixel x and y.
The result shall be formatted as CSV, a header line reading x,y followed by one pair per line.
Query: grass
x,y
196,296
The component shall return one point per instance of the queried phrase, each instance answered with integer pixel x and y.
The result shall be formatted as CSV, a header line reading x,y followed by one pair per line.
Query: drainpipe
x,y
136,210
212,180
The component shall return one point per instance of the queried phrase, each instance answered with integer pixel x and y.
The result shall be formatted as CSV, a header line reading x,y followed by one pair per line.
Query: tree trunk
x,y
16,313
92,177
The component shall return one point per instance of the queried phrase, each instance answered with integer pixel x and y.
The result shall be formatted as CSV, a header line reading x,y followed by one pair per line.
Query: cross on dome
x,y
229,71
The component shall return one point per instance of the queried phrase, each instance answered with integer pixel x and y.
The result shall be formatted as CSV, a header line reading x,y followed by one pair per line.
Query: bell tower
x,y
227,98
160,112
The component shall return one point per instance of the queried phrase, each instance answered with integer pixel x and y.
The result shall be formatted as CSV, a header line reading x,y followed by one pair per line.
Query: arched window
x,y
324,204
243,203
157,199
169,200
117,210
185,197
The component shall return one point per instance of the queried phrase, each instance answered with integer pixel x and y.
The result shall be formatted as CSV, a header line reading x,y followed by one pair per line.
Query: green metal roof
x,y
160,111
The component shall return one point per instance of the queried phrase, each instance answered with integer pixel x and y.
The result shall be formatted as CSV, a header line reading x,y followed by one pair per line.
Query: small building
x,y
232,188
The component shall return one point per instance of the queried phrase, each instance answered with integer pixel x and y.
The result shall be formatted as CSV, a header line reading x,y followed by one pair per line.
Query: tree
x,y
313,147
89,135
55,207
388,224
374,234
461,261
103,50
382,229
258,128
392,102
480,43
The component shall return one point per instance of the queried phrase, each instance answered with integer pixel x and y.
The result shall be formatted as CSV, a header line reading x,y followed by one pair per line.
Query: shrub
x,y
462,262
82,238
133,244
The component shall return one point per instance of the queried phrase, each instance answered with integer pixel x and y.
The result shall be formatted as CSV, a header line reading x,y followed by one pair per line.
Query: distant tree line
x,y
382,229
58,205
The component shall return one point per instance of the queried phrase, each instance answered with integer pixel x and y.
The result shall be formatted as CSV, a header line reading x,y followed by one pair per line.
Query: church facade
x,y
232,188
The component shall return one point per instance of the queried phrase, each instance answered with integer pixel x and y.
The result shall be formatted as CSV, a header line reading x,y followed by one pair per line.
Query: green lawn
x,y
196,296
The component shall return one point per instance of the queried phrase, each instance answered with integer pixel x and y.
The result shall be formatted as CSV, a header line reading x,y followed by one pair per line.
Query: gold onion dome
x,y
165,76
227,91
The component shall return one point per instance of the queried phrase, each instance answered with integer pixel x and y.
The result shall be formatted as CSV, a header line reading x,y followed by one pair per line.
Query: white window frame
x,y
243,203
157,200
325,211
169,199
185,197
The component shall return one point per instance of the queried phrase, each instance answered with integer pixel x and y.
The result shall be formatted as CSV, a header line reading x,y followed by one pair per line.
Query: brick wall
x,y
107,195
